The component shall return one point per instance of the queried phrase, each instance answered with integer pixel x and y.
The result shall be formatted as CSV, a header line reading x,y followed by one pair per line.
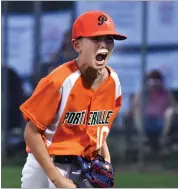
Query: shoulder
x,y
116,81
62,72
114,76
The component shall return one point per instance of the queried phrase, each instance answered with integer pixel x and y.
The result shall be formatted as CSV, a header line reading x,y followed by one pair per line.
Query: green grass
x,y
145,180
11,179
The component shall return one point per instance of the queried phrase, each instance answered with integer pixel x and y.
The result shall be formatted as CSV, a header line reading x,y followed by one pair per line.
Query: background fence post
x,y
37,36
5,84
143,74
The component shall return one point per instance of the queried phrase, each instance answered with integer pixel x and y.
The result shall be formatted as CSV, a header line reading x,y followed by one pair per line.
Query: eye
x,y
107,39
110,39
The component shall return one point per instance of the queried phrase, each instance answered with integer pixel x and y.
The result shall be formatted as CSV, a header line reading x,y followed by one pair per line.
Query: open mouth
x,y
101,56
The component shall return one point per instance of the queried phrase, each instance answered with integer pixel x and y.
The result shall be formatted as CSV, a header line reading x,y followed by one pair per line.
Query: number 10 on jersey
x,y
100,134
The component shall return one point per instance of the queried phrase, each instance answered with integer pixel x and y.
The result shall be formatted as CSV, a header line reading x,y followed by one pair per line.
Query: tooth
x,y
102,51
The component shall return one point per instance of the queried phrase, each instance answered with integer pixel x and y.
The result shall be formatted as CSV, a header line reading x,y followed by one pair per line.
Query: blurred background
x,y
36,38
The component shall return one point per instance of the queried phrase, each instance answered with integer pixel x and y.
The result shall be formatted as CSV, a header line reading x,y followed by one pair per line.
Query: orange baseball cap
x,y
95,23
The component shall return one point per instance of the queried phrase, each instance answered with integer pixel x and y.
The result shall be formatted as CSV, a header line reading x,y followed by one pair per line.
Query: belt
x,y
64,159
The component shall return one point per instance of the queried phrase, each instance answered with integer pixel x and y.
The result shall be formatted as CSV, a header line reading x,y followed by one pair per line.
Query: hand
x,y
63,182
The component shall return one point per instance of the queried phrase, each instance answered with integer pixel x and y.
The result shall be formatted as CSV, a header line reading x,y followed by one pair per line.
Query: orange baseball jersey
x,y
75,120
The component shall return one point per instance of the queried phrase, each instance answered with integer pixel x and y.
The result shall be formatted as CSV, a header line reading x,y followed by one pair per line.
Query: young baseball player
x,y
72,109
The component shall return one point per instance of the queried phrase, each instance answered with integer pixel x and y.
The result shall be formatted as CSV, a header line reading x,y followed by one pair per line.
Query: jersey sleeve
x,y
118,104
118,100
42,106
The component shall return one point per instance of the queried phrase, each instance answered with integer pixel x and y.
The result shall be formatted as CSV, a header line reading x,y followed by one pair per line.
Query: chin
x,y
100,66
97,68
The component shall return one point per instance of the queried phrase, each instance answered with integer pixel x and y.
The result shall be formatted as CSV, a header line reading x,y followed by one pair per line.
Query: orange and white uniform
x,y
75,119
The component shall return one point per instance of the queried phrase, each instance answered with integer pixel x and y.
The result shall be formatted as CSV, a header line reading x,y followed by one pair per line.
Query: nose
x,y
103,43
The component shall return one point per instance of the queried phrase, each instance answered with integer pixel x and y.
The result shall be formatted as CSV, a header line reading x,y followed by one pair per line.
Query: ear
x,y
76,45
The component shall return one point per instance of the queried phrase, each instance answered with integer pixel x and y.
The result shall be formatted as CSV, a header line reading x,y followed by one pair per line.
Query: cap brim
x,y
116,36
119,37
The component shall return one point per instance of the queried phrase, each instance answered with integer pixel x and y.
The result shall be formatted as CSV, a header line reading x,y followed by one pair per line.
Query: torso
x,y
157,104
85,115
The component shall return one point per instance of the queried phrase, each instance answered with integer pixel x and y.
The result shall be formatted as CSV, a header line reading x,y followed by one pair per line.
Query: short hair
x,y
155,74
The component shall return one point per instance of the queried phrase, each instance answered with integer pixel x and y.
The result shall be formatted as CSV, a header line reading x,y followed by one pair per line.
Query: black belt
x,y
64,159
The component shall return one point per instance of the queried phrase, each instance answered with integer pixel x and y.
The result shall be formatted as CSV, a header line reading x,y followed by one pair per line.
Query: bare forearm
x,y
35,142
38,148
105,152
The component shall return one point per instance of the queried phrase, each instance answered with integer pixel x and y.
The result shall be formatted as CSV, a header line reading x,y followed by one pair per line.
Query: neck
x,y
91,75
